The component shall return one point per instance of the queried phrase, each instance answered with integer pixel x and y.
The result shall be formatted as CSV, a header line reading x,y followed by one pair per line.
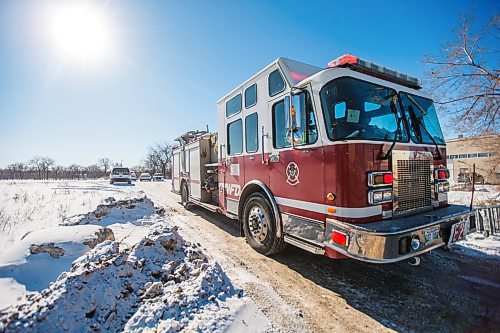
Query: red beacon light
x,y
346,59
372,69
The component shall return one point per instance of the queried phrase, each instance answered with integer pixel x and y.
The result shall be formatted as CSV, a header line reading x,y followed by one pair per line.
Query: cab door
x,y
296,170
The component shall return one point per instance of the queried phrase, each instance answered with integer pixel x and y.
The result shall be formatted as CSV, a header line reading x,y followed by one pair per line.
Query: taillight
x,y
441,173
376,179
388,178
340,238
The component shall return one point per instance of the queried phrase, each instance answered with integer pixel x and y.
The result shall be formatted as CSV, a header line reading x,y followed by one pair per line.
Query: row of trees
x,y
44,168
158,159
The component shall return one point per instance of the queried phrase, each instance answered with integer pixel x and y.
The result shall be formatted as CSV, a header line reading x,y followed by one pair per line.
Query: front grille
x,y
412,186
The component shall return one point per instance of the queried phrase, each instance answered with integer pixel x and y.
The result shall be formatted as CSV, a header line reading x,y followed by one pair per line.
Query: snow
x,y
112,262
483,195
35,271
87,255
163,282
30,205
477,244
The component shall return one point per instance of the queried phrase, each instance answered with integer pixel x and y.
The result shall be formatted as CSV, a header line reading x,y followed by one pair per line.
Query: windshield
x,y
117,171
422,119
355,109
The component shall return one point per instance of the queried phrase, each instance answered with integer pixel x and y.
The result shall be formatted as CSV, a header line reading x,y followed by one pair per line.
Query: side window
x,y
276,83
235,138
233,106
280,125
304,127
252,133
251,96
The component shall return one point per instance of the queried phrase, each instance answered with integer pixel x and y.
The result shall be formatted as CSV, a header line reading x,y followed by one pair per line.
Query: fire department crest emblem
x,y
292,173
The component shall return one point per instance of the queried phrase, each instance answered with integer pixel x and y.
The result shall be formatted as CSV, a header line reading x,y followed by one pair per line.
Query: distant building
x,y
462,153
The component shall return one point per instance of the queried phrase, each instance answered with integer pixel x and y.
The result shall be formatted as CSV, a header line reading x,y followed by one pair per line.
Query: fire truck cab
x,y
344,161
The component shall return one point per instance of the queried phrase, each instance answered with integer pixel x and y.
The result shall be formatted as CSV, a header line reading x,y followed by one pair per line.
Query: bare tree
x,y
58,171
74,171
37,163
464,78
46,164
11,168
104,163
159,158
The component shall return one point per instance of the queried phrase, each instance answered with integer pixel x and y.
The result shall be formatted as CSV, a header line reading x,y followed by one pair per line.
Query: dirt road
x,y
298,291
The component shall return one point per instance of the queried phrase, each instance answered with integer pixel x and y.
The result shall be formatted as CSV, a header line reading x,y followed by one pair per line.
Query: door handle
x,y
263,137
274,158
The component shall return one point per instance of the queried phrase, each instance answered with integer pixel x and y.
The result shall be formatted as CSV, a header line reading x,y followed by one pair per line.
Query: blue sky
x,y
172,60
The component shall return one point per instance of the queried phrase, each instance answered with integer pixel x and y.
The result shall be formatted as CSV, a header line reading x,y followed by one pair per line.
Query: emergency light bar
x,y
370,68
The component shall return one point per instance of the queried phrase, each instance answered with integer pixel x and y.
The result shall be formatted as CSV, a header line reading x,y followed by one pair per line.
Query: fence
x,y
488,220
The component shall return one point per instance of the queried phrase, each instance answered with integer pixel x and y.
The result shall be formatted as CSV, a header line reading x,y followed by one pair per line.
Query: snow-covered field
x,y
86,255
90,256
483,195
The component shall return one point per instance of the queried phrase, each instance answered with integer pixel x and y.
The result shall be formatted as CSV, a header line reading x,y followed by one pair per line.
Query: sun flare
x,y
80,32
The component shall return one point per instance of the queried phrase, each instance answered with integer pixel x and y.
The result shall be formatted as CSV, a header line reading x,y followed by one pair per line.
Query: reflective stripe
x,y
340,211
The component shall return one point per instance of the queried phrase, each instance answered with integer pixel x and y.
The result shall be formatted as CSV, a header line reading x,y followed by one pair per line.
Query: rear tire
x,y
185,196
260,226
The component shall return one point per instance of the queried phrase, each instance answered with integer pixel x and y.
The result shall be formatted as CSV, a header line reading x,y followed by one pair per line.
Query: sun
x,y
79,32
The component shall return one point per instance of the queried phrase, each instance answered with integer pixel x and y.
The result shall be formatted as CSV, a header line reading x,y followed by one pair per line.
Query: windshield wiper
x,y
394,109
418,120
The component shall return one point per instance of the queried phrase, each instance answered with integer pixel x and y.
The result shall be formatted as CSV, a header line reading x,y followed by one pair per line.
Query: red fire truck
x,y
343,161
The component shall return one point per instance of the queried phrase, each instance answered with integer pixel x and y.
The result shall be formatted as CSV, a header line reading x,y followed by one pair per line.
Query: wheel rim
x,y
258,224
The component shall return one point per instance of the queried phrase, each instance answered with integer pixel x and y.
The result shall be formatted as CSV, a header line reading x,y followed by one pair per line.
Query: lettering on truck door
x,y
232,166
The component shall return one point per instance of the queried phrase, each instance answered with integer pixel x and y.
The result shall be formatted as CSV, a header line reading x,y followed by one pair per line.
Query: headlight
x,y
387,195
379,196
442,187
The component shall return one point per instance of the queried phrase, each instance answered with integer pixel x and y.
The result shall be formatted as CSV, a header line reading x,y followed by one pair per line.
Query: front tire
x,y
260,226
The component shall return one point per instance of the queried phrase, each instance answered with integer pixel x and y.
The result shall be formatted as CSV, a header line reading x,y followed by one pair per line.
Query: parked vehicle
x,y
343,161
158,177
133,176
120,175
145,176
466,177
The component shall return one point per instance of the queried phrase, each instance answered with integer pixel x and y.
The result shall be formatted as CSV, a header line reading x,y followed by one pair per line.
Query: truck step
x,y
304,245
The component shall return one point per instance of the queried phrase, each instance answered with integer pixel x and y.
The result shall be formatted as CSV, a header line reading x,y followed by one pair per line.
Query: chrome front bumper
x,y
386,241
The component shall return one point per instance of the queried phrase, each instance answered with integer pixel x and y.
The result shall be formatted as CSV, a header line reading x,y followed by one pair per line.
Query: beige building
x,y
463,152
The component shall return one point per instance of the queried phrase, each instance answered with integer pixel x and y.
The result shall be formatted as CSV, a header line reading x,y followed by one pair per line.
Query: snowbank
x,y
115,212
163,283
38,259
476,244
